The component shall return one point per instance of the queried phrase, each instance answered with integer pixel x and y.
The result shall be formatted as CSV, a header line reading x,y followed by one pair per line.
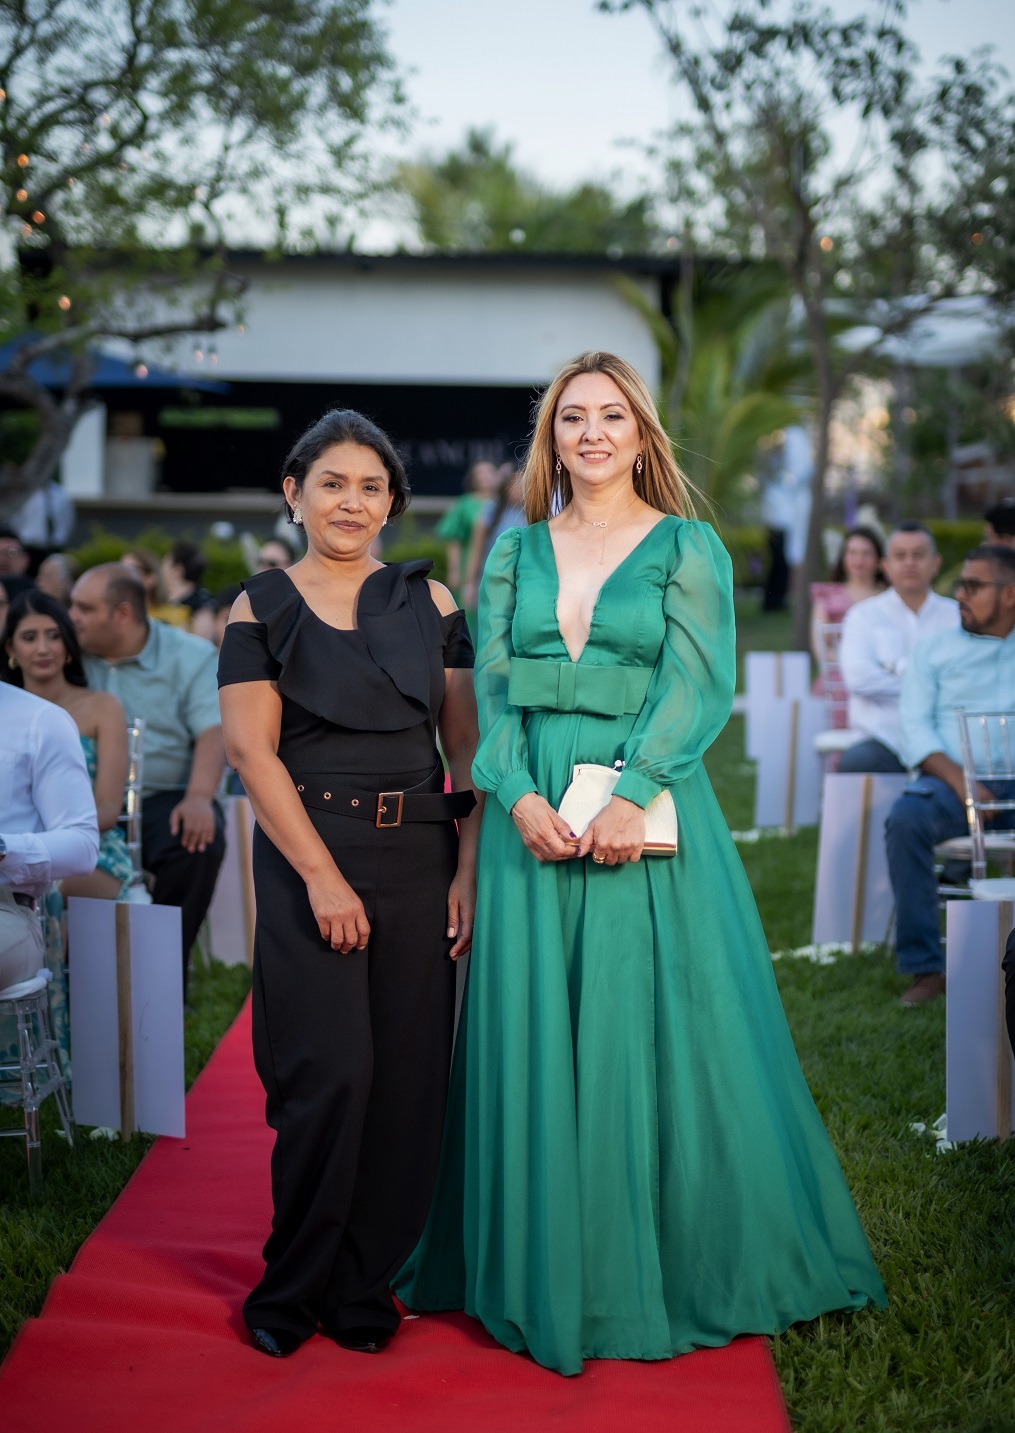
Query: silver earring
x,y
384,523
557,468
298,516
639,463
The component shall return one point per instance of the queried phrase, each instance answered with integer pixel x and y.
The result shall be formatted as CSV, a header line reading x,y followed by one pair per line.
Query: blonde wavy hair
x,y
661,483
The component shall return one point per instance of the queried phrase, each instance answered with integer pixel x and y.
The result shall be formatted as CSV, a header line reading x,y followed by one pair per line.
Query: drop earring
x,y
12,662
639,463
298,516
557,468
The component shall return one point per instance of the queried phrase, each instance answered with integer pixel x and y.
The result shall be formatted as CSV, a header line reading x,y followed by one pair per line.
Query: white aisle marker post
x,y
768,675
126,1011
789,769
853,899
979,1065
231,913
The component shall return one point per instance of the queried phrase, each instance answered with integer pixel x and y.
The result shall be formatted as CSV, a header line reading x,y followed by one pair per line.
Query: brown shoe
x,y
924,987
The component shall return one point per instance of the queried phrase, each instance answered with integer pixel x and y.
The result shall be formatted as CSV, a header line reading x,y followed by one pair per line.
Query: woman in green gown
x,y
633,1165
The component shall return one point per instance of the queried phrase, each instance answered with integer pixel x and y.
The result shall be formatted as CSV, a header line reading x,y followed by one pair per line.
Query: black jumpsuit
x,y
353,1050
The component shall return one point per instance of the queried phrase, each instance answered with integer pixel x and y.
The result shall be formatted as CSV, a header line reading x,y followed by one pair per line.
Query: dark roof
x,y
650,265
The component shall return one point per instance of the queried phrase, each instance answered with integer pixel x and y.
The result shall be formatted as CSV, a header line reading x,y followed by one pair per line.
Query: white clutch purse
x,y
590,790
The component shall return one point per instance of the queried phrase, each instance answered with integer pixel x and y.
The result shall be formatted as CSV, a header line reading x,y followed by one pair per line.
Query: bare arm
x,y
251,721
476,544
111,759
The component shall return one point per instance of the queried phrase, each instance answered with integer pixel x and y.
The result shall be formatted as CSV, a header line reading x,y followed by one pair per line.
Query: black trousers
x,y
182,878
354,1053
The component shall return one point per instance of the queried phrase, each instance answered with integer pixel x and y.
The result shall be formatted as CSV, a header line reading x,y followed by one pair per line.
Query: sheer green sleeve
x,y
501,764
691,692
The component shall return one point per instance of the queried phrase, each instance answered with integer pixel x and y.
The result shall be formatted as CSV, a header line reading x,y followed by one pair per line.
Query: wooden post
x,y
125,1019
794,728
1004,1052
862,849
778,673
246,875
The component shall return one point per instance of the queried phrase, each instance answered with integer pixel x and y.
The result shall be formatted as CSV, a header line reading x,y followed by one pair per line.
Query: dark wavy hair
x,y
345,425
34,603
869,535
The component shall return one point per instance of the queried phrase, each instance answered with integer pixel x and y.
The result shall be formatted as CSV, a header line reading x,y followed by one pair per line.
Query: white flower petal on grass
x,y
104,1132
826,953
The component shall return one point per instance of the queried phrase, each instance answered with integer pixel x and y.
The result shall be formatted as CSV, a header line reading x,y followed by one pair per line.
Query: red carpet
x,y
145,1330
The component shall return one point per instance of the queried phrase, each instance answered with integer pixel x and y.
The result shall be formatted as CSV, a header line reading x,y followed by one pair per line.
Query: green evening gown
x,y
633,1165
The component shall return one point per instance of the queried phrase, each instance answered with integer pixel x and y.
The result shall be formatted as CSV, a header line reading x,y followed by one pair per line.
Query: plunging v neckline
x,y
602,586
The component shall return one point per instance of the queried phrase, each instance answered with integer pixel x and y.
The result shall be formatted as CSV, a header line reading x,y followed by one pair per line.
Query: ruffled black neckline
x,y
382,683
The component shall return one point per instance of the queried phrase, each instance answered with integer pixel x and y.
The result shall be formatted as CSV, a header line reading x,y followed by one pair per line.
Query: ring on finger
x,y
599,859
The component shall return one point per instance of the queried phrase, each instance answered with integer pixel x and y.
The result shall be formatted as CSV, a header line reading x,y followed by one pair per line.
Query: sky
x,y
577,92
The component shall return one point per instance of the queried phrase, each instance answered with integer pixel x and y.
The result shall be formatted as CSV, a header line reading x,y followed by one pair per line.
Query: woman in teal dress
x,y
633,1165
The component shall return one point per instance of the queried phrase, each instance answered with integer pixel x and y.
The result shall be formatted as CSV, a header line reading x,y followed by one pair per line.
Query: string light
x,y
38,217
827,245
64,302
105,121
21,195
71,182
3,95
26,230
198,354
23,161
140,369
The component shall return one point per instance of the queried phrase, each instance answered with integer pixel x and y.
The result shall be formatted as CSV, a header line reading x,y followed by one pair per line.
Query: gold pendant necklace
x,y
604,523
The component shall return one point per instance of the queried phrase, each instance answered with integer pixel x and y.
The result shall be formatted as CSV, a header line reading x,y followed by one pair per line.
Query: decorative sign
x,y
979,1065
768,675
789,769
229,931
126,1011
853,901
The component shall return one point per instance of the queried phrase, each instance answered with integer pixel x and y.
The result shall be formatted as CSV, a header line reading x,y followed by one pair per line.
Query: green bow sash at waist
x,y
570,687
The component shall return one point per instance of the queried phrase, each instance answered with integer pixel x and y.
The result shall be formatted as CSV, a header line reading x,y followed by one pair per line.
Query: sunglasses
x,y
973,585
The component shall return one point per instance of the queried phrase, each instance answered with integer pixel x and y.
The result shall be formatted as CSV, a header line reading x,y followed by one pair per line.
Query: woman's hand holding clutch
x,y
616,835
461,911
338,911
544,833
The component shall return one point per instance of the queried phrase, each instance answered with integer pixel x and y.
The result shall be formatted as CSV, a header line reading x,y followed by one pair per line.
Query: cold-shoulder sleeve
x,y
690,695
458,651
501,764
244,655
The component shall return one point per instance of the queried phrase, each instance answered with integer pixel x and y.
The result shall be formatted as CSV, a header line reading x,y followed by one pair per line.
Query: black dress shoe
x,y
364,1340
276,1343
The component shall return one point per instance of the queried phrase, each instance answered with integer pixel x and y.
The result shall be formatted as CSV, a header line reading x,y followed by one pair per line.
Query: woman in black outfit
x,y
336,676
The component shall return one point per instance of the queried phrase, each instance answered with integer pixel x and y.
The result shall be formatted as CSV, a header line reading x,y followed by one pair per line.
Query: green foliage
x,y
226,562
748,547
732,373
954,539
408,543
19,433
138,142
474,198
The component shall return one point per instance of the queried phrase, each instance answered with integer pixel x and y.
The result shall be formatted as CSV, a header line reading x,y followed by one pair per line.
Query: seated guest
x,y
148,567
878,637
999,524
275,552
57,574
974,664
181,570
44,658
855,577
167,677
48,829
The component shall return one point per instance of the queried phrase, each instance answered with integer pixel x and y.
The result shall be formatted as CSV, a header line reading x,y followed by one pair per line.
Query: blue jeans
x,y
928,811
869,755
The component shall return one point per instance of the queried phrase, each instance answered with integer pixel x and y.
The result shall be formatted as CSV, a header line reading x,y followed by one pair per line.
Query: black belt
x,y
23,899
386,809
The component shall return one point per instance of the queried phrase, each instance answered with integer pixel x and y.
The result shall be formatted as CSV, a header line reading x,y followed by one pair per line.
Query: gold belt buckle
x,y
382,798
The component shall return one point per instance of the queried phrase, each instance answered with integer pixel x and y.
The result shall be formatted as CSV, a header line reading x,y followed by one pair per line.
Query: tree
x,y
138,138
759,172
732,369
475,198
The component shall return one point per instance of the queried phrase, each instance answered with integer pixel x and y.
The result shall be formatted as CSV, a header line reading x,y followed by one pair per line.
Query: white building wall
x,y
512,326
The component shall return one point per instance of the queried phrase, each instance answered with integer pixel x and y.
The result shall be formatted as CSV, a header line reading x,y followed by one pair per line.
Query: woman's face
x,y
149,580
51,578
37,647
860,560
595,431
344,500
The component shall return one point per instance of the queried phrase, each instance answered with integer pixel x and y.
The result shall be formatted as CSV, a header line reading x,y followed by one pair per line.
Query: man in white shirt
x,y
48,825
973,666
878,637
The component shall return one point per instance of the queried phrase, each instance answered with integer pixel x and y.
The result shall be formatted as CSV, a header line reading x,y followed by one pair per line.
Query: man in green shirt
x,y
167,677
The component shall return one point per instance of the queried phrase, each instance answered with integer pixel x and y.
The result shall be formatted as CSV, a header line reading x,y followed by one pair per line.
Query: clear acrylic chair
x,y
988,760
131,817
37,1069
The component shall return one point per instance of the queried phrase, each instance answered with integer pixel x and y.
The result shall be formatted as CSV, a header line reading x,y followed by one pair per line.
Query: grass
x,y
940,1359
941,1226
39,1238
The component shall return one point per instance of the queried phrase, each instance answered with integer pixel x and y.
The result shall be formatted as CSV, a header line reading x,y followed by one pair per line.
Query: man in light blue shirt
x,y
168,677
972,667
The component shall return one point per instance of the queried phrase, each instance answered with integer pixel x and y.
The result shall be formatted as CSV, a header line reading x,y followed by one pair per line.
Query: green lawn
x,y
942,1357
